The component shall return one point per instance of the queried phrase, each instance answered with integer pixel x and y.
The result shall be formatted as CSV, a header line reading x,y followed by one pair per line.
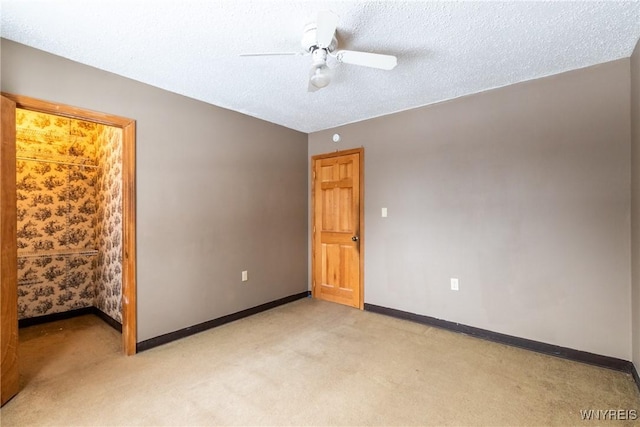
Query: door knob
x,y
355,238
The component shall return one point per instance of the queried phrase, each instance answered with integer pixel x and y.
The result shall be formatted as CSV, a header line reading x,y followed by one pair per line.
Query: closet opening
x,y
75,214
69,218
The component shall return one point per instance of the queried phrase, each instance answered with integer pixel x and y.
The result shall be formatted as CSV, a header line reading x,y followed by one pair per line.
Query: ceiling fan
x,y
319,41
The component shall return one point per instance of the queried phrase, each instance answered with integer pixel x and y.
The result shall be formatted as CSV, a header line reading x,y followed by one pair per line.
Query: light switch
x,y
384,212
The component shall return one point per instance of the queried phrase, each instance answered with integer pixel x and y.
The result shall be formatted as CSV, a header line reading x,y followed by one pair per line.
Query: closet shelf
x,y
59,162
36,135
29,282
57,253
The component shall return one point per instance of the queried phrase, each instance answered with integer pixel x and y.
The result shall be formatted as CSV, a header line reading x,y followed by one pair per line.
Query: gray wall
x,y
520,192
217,192
635,201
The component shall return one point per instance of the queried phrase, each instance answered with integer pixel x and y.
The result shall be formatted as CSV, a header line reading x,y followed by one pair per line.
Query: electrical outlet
x,y
245,275
455,284
384,212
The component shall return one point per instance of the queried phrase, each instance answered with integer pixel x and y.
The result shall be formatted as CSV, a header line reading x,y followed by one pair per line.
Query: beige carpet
x,y
305,363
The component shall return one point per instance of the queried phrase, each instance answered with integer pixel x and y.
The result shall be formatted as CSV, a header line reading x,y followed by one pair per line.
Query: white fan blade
x,y
366,59
271,54
325,28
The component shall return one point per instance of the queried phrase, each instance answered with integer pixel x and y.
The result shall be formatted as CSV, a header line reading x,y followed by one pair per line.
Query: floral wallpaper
x,y
45,136
60,221
108,273
56,214
53,284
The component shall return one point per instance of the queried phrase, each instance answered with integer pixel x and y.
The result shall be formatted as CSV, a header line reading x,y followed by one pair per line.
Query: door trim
x,y
315,158
128,126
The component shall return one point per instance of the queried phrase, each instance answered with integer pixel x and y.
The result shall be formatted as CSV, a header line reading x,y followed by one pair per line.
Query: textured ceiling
x,y
444,49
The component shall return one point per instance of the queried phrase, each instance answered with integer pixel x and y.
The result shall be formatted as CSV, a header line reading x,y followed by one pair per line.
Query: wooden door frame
x,y
318,157
9,371
128,126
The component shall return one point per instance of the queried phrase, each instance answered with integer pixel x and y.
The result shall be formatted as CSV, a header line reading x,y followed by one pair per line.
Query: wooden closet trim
x,y
128,126
9,369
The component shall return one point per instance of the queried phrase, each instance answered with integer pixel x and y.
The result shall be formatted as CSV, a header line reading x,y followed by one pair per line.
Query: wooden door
x,y
9,375
337,257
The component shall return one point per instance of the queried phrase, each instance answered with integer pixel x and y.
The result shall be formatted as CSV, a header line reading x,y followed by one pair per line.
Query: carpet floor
x,y
305,363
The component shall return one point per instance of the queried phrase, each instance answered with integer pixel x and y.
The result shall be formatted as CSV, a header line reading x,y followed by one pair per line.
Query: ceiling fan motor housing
x,y
318,56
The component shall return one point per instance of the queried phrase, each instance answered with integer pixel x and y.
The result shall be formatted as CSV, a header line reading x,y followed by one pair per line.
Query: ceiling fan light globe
x,y
320,77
